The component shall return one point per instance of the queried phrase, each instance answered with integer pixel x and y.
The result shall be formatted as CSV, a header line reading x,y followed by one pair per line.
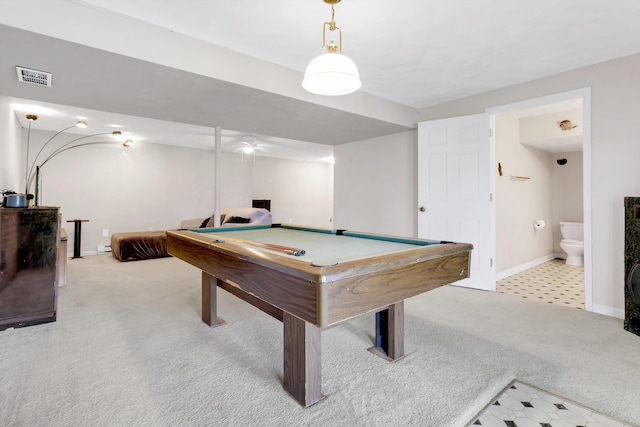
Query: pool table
x,y
311,279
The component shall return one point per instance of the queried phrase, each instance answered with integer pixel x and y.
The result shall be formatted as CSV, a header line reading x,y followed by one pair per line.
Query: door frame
x,y
585,94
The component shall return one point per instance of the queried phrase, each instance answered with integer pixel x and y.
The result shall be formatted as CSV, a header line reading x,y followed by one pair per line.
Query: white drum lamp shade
x,y
331,74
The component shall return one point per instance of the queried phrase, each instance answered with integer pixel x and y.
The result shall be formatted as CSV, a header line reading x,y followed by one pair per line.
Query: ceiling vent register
x,y
40,78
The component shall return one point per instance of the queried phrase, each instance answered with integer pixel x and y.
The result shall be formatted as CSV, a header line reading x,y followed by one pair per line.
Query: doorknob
x,y
422,209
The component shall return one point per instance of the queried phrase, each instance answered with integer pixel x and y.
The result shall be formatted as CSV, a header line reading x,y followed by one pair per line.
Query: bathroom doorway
x,y
541,175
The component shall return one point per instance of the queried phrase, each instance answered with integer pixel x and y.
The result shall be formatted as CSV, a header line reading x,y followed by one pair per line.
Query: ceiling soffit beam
x,y
94,28
99,80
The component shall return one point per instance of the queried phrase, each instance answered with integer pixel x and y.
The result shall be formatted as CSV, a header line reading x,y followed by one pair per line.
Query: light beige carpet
x,y
129,349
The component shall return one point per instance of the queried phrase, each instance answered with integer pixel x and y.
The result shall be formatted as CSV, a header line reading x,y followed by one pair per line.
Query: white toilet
x,y
573,242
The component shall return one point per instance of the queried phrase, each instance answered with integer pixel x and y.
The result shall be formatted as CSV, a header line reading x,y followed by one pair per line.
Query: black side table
x,y
77,235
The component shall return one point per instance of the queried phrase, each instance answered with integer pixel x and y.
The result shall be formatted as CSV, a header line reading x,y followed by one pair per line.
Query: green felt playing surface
x,y
321,248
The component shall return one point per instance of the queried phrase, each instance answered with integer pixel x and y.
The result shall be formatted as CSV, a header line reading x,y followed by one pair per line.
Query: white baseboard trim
x,y
609,311
522,267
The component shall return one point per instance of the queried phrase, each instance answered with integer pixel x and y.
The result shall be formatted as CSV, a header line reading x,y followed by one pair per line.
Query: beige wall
x,y
375,185
300,192
145,187
554,194
153,186
11,156
519,203
615,102
567,193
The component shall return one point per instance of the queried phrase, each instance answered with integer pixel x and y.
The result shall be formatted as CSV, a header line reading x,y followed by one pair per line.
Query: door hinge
x,y
491,262
490,132
491,197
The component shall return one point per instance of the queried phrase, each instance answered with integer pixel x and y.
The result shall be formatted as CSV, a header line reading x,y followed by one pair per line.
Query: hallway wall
x,y
568,197
612,105
519,203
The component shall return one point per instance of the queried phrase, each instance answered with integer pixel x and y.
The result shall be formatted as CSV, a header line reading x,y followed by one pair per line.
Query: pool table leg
x,y
390,332
302,367
210,301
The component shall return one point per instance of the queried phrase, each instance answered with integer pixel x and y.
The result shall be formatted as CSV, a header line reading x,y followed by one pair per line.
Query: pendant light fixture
x,y
331,73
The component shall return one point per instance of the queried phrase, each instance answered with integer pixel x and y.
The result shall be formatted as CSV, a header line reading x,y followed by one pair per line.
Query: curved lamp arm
x,y
59,150
35,159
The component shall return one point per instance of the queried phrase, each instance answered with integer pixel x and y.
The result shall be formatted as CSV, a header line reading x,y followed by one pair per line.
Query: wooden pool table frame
x,y
308,299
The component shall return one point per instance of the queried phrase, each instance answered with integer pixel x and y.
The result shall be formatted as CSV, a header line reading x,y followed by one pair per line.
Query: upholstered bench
x,y
139,245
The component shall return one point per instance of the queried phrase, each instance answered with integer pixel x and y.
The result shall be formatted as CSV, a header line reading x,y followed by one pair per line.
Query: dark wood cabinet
x,y
632,264
28,257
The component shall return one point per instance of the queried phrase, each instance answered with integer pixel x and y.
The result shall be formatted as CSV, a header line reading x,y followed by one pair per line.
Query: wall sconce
x,y
331,73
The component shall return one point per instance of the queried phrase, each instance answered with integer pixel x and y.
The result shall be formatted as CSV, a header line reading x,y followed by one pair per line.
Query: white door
x,y
454,189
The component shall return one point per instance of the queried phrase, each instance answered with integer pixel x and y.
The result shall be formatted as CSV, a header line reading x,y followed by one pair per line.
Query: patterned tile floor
x,y
553,282
521,405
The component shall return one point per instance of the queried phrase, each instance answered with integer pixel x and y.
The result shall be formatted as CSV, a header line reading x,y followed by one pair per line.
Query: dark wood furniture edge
x,y
392,329
294,266
302,363
209,301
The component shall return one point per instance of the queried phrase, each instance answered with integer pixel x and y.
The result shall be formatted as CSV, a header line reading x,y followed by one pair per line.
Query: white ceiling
x,y
416,53
558,145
